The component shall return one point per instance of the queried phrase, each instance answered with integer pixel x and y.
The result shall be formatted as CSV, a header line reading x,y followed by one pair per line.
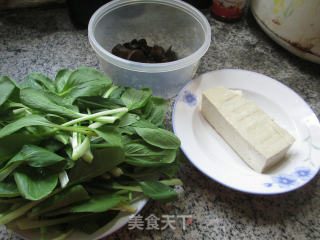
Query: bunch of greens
x,y
76,150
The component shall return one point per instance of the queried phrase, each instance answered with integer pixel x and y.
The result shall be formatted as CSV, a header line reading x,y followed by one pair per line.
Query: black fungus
x,y
139,51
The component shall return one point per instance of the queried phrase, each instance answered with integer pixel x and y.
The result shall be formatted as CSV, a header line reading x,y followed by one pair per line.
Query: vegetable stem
x,y
81,149
109,91
18,111
88,156
63,178
106,119
170,182
7,171
95,125
18,212
116,172
100,145
83,130
22,210
95,115
26,223
64,235
126,207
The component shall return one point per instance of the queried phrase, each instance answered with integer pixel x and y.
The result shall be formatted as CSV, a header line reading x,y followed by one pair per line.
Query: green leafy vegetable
x,y
36,156
156,110
30,120
8,189
98,102
25,223
11,144
159,137
7,87
104,160
128,120
61,79
85,82
34,183
32,155
98,203
69,196
47,103
158,190
134,99
142,155
76,150
38,81
110,134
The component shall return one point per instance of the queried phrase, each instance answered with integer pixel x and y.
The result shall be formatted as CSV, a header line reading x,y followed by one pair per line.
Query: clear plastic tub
x,y
162,22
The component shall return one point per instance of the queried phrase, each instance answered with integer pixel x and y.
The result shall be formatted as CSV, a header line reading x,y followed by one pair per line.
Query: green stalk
x,y
129,188
116,172
86,130
143,174
64,235
83,130
74,140
81,149
54,213
43,232
13,207
18,212
12,200
61,138
95,115
79,138
22,210
106,119
88,156
26,223
80,129
130,196
106,176
15,104
123,191
125,207
109,91
18,111
89,112
6,172
95,125
170,182
101,145
63,178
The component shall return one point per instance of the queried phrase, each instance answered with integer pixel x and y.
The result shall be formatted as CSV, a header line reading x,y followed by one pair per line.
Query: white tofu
x,y
256,138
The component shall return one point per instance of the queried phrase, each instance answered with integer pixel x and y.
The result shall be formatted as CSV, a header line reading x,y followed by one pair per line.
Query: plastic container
x,y
162,22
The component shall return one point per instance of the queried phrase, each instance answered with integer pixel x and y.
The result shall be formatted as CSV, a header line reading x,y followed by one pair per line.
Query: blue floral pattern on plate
x,y
189,98
300,175
303,173
283,181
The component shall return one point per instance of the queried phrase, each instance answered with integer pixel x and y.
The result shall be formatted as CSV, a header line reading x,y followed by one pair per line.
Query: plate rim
x,y
217,180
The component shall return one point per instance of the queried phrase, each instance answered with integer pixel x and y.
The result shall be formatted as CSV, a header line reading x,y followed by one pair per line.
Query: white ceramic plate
x,y
119,221
286,44
214,157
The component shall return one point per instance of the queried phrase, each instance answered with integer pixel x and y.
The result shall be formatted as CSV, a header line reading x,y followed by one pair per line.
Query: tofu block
x,y
252,134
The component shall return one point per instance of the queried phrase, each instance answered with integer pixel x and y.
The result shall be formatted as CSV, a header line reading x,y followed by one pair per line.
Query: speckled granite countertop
x,y
44,40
